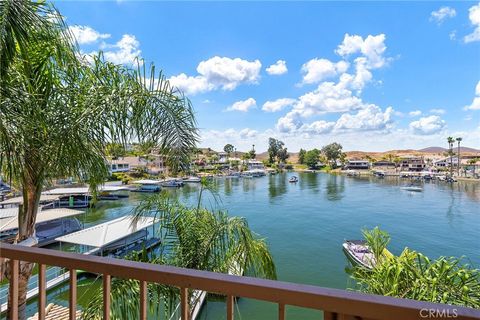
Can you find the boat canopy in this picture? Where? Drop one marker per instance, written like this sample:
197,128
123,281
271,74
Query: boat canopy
147,181
83,190
108,232
19,200
11,222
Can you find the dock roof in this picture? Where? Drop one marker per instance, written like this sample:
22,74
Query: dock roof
82,190
108,232
9,220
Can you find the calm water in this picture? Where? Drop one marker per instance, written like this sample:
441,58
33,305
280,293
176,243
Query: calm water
306,223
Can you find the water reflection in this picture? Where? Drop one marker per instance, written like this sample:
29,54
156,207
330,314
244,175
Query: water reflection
335,187
277,185
310,181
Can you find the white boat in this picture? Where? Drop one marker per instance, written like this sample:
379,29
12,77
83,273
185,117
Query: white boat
147,185
192,180
360,254
293,179
172,183
412,188
352,173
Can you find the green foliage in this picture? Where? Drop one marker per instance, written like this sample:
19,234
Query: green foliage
194,238
301,156
114,150
377,240
228,148
414,276
252,154
332,152
276,151
311,158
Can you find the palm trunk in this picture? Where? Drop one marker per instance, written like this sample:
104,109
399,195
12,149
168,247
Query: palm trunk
27,216
458,158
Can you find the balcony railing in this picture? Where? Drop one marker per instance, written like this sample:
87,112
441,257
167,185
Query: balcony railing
335,304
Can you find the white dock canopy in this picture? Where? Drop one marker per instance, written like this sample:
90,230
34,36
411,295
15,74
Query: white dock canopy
19,200
11,222
83,190
106,233
147,181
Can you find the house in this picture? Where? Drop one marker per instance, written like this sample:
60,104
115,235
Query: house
255,165
412,164
358,164
384,164
153,164
445,162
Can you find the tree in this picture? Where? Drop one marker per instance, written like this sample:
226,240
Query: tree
274,146
450,142
301,156
228,149
332,152
191,237
458,155
311,158
246,156
282,155
252,154
114,150
58,112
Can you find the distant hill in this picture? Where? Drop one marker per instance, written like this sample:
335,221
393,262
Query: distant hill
441,150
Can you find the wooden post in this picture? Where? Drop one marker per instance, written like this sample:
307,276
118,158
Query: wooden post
73,295
106,296
143,300
42,292
14,274
184,303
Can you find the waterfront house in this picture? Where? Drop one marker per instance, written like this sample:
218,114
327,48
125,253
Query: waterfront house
358,165
153,164
412,164
445,162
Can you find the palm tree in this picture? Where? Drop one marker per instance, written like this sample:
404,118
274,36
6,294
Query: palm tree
58,112
194,238
450,141
458,156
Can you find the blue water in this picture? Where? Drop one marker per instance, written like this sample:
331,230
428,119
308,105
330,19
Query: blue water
305,224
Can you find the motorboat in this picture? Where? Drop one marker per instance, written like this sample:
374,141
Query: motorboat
360,254
412,188
192,180
172,183
293,179
352,173
146,185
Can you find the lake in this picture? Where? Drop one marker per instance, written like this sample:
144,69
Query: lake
306,223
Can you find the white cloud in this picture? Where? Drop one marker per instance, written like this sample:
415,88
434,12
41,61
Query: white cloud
427,125
453,35
474,16
318,127
248,133
243,106
317,70
442,14
277,105
369,118
437,111
278,68
372,47
86,34
125,51
415,113
218,72
475,105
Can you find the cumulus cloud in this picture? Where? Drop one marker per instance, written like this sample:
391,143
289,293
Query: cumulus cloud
475,105
442,14
369,118
317,70
243,106
372,48
427,125
415,113
86,34
437,111
218,73
125,51
278,68
474,16
277,105
318,127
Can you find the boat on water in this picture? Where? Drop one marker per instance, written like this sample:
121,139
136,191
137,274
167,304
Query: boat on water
352,173
192,180
172,183
412,188
293,179
360,254
146,185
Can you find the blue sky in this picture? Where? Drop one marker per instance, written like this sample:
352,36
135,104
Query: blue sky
371,75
